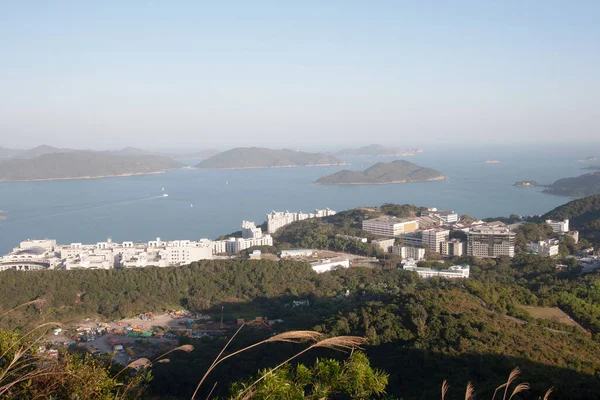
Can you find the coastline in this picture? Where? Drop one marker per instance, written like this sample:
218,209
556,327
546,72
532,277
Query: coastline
88,177
383,183
279,166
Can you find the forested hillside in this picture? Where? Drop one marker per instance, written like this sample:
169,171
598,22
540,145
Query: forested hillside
418,331
584,215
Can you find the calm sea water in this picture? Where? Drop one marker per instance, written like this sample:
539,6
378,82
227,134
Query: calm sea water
130,208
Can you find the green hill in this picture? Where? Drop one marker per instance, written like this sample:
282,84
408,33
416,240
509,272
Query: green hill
583,215
81,164
399,171
260,157
579,186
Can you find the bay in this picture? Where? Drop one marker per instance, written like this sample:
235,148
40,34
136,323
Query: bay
209,203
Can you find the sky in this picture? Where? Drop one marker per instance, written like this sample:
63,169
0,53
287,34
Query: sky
161,74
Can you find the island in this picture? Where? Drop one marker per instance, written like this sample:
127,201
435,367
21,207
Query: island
260,157
529,183
590,158
399,171
579,186
377,150
79,164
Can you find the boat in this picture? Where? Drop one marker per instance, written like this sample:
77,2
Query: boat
165,195
191,205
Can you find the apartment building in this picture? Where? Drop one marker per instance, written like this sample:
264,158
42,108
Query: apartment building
433,238
544,247
279,219
409,252
454,248
490,241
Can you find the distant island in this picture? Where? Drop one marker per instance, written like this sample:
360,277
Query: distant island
529,183
590,158
399,171
579,186
260,157
377,150
79,164
492,162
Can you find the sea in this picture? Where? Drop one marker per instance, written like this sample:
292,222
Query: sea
209,203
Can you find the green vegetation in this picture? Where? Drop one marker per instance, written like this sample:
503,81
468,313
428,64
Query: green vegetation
259,157
399,171
580,186
81,164
583,215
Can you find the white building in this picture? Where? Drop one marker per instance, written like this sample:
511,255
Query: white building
384,244
298,253
279,219
390,226
409,252
490,241
445,215
454,272
544,247
433,238
250,230
559,226
236,245
454,248
181,252
330,264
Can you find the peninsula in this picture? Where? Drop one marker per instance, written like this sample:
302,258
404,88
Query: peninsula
79,164
579,186
399,171
377,150
260,157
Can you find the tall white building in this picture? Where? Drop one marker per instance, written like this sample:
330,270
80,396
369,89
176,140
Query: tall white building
250,230
559,226
434,238
236,245
454,248
279,219
390,226
490,241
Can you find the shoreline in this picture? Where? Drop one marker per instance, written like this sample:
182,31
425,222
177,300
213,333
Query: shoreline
278,166
382,183
87,177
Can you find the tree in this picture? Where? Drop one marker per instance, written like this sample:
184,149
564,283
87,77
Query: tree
353,378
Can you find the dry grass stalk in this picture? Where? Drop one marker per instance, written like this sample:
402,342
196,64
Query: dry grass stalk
289,337
470,391
547,395
445,388
521,387
186,347
514,374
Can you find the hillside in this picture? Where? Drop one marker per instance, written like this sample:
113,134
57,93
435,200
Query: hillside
81,164
399,171
583,215
259,157
376,150
579,186
5,153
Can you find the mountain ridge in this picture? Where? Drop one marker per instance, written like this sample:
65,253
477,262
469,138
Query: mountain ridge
262,157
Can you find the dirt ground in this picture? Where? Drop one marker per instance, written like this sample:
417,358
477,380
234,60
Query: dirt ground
551,313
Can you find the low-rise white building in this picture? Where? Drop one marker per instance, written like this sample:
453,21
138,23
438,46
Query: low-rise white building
444,215
329,264
559,226
453,272
544,247
384,244
409,252
390,226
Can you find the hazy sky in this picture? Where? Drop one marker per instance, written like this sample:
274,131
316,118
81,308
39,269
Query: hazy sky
197,74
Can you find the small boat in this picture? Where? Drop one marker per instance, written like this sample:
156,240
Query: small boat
191,205
165,195
227,183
